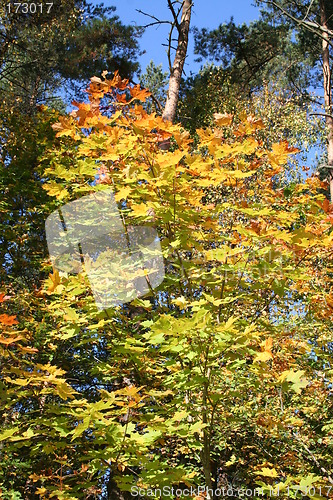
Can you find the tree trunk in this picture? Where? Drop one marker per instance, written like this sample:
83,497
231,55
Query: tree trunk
205,451
114,493
176,71
327,93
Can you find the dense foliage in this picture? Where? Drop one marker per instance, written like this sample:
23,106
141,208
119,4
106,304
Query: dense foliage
221,376
60,42
217,383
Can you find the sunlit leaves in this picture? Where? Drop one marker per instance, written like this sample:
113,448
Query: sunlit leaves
225,351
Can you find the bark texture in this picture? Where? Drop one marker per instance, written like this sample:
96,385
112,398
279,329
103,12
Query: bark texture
327,92
176,71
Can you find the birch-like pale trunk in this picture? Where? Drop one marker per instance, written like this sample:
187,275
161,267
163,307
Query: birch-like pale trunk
327,92
169,112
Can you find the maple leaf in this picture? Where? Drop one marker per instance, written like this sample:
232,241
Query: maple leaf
55,189
223,119
28,350
297,379
65,127
325,205
118,82
266,353
55,280
255,123
138,93
84,110
123,193
139,210
8,320
10,340
265,471
280,153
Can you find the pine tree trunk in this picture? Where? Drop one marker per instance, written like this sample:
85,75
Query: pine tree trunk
327,93
170,108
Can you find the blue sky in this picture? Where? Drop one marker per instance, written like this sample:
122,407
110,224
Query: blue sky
206,14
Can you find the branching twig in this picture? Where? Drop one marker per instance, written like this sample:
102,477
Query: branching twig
312,26
174,15
156,20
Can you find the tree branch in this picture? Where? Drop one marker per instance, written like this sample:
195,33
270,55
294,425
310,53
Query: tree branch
156,20
321,114
313,459
309,25
174,15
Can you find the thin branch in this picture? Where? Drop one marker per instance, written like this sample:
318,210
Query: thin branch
313,459
308,10
310,25
321,114
175,15
169,48
156,20
168,45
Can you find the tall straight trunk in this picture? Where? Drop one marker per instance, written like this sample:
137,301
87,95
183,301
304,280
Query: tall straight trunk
327,92
205,454
183,27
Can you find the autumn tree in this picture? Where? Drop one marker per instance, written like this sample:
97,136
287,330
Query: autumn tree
39,52
258,68
215,378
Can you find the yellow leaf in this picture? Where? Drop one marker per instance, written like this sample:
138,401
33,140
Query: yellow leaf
223,119
268,344
263,356
266,354
123,193
55,281
268,472
41,491
180,302
139,210
280,153
55,189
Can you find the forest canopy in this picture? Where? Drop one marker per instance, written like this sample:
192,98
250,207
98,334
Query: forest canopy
166,255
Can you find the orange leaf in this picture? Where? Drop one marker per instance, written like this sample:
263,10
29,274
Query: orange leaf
8,320
266,353
138,93
27,350
9,340
326,205
223,119
280,153
4,297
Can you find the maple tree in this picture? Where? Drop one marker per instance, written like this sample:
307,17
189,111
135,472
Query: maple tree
217,377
